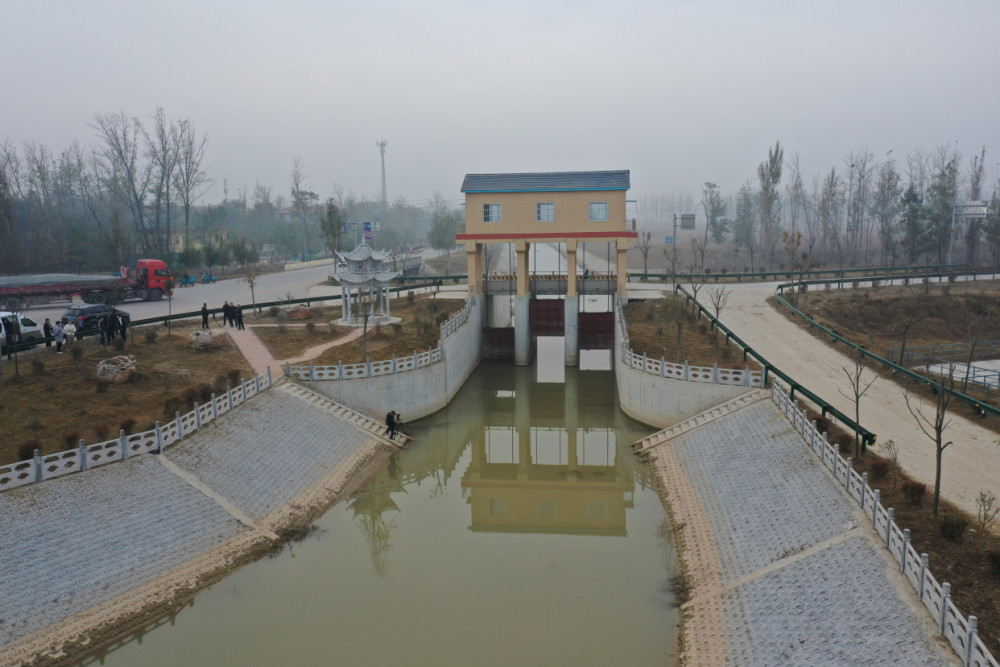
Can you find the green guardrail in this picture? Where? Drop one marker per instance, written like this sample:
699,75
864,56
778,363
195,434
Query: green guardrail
894,271
867,437
985,408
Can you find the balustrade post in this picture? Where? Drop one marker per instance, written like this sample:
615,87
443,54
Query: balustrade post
746,375
368,367
878,499
123,444
945,599
847,475
973,622
864,489
395,369
340,370
686,368
812,436
83,455
197,416
229,397
906,550
663,367
180,425
288,369
888,526
312,372
159,439
215,408
256,380
643,362
416,360
715,373
925,561
38,466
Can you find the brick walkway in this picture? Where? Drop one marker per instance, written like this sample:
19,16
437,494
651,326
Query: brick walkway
782,567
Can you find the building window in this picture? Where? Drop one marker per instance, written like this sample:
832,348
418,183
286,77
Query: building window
597,509
497,507
546,508
598,211
545,212
491,212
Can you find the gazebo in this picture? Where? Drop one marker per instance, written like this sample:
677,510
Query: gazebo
364,282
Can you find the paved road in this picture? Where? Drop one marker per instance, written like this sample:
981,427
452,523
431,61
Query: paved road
971,464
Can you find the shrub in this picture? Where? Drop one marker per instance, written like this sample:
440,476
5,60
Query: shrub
879,469
823,424
150,335
101,432
946,290
310,328
235,376
37,366
803,288
127,425
953,527
26,450
410,297
101,386
845,444
77,352
191,396
171,406
906,280
993,558
914,493
72,439
828,287
397,328
952,278
220,384
274,310
205,391
118,344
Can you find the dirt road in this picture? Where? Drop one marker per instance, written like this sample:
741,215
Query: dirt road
971,464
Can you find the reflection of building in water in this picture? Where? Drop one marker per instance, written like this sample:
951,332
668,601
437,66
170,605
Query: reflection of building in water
370,504
536,468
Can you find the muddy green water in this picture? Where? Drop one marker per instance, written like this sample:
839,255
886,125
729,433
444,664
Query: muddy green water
519,529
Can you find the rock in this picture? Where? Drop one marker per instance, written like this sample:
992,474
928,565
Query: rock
116,369
207,339
294,313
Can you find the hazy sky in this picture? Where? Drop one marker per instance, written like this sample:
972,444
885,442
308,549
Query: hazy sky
677,92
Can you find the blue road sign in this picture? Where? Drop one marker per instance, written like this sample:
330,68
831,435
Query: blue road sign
670,239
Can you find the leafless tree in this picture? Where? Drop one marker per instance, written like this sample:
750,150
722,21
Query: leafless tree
303,202
161,143
987,510
934,426
719,297
978,324
769,174
891,450
643,242
123,170
190,178
858,388
250,278
918,310
696,270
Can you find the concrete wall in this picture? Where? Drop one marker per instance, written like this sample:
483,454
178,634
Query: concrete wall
417,393
660,401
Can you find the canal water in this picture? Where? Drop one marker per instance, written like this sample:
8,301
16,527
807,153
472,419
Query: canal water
517,529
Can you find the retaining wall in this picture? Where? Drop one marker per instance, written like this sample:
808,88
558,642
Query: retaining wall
416,391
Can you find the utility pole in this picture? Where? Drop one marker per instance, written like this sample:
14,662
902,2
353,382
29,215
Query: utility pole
382,143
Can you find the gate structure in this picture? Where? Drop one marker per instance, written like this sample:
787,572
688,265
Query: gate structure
555,207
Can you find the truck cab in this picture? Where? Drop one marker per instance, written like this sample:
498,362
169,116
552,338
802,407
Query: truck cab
152,276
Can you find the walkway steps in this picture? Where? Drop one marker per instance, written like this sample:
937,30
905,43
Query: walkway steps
644,446
359,420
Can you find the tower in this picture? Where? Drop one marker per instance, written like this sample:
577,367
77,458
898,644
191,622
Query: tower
381,143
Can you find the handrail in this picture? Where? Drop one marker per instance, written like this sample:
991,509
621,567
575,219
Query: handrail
895,271
867,437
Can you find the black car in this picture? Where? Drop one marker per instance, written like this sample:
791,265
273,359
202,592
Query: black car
87,318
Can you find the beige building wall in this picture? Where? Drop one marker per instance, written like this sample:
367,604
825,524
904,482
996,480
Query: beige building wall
519,214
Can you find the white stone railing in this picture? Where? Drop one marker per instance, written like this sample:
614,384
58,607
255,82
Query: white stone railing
737,377
957,629
85,456
369,369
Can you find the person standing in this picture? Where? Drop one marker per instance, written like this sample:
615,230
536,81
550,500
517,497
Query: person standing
239,317
204,315
47,330
225,313
390,423
69,329
102,327
122,325
397,419
112,328
57,331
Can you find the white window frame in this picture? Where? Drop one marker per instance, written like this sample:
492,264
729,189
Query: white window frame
489,210
598,219
540,212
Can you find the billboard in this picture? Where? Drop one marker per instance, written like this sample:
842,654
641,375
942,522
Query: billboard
687,220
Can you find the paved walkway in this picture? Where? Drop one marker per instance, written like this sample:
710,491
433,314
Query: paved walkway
783,569
260,358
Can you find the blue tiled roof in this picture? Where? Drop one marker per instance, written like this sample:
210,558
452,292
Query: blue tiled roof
555,181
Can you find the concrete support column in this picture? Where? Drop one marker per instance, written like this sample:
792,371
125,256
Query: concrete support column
622,247
522,330
571,267
474,262
571,330
521,250
570,412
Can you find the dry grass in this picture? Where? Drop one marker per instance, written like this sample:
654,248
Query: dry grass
287,340
64,403
652,330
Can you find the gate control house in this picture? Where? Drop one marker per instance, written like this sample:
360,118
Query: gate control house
554,207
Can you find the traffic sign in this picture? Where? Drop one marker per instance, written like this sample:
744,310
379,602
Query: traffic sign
670,239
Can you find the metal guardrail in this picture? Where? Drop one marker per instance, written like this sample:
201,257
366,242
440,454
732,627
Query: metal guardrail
826,408
984,408
838,273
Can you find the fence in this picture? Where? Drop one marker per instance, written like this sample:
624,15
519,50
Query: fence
85,456
369,369
957,629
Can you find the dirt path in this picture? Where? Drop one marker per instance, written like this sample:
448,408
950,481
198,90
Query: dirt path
971,464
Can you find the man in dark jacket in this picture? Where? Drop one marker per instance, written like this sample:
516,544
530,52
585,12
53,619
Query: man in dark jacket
204,316
225,313
47,330
238,316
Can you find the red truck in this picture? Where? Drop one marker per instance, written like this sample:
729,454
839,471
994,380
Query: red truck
148,283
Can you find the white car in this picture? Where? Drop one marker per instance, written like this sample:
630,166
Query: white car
30,330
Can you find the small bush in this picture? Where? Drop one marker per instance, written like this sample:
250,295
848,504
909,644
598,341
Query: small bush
220,384
803,288
205,392
171,406
76,352
118,344
906,281
953,527
101,432
72,439
914,493
952,278
410,297
137,377
127,425
235,376
191,396
946,290
150,335
274,310
310,328
26,450
845,444
37,367
397,328
101,386
827,287
823,424
993,558
879,469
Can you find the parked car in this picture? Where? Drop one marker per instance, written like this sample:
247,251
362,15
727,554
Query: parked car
87,318
30,330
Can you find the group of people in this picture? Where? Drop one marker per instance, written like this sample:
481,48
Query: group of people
232,314
392,422
65,331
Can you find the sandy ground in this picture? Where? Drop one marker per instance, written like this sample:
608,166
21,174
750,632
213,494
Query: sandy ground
970,465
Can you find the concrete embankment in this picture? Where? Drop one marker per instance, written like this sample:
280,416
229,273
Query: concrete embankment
87,556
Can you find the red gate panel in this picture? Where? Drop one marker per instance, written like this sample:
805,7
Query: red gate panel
546,317
596,331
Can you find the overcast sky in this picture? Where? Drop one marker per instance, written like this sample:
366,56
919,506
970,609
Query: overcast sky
677,92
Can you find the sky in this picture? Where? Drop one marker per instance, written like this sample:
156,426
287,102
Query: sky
677,92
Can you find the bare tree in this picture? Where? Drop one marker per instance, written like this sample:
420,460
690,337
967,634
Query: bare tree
715,207
892,455
190,178
696,270
769,174
123,171
161,143
978,316
918,308
643,242
987,510
858,389
303,203
719,297
934,426
250,278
